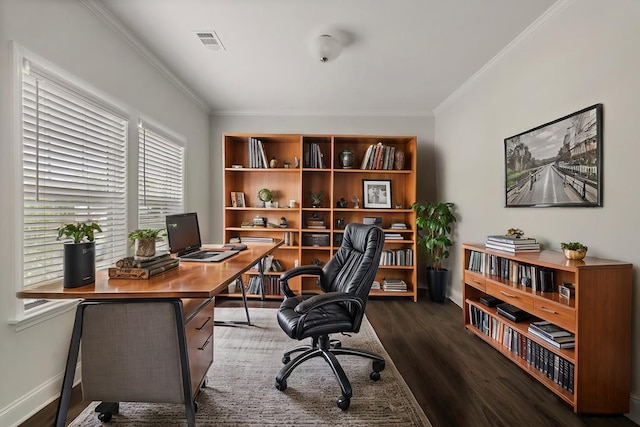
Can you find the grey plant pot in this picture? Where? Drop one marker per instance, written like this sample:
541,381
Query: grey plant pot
79,265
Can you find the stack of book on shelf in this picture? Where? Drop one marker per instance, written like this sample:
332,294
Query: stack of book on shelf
394,285
512,244
392,236
251,239
552,334
143,268
257,156
375,286
313,157
378,156
511,312
398,226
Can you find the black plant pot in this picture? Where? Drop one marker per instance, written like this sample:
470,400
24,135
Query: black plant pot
437,282
79,266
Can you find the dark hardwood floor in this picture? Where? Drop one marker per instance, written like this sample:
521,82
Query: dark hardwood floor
456,378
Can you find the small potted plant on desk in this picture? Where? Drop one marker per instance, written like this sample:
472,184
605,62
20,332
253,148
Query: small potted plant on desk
79,256
434,221
574,250
145,240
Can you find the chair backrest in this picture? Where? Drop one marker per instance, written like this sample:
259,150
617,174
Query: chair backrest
354,266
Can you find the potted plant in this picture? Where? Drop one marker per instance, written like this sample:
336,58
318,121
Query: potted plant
145,240
574,250
266,196
434,221
79,256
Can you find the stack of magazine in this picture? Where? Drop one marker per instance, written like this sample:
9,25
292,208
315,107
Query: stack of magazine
552,334
512,244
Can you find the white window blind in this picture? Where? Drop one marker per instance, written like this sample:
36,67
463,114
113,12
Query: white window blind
74,170
160,179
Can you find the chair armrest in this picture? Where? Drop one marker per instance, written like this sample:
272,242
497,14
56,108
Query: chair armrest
328,298
313,270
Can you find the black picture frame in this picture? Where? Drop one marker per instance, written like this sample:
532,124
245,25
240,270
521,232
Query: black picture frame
376,194
557,164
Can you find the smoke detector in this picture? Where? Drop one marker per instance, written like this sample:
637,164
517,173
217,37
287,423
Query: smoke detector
210,40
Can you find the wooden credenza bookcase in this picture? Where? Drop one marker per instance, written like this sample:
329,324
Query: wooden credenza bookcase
312,234
595,376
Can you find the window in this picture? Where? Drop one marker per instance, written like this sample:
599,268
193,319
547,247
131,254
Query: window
160,178
74,169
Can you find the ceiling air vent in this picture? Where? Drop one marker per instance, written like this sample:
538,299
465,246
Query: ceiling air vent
210,40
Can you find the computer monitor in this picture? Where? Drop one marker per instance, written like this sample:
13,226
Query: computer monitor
183,233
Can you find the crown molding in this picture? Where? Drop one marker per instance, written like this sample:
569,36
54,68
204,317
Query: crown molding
321,113
107,17
549,15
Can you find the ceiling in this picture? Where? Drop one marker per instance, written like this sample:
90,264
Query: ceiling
400,57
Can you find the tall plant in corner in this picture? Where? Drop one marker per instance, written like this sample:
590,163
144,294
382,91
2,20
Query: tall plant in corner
434,221
79,256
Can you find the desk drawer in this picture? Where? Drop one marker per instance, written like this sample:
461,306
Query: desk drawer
513,296
474,279
558,314
199,331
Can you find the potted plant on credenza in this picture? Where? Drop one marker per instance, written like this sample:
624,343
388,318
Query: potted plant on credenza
79,256
434,221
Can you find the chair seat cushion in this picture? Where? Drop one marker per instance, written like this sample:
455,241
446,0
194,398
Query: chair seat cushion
328,319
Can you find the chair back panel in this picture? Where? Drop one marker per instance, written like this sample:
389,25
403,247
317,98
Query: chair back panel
355,264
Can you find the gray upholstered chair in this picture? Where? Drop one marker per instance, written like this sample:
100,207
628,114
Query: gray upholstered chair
346,280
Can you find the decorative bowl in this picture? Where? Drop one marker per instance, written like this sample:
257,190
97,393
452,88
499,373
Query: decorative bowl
571,254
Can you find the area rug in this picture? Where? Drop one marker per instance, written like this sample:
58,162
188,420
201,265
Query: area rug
240,385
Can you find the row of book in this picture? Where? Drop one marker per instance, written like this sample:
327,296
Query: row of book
378,156
271,285
257,156
402,256
143,268
534,276
552,365
512,244
313,157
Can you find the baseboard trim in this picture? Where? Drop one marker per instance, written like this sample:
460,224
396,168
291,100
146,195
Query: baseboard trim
26,406
634,413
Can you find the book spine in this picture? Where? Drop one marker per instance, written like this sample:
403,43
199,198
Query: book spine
141,273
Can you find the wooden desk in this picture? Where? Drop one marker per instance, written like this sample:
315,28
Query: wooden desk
189,290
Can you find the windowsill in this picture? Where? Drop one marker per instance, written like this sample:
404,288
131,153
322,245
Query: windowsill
44,312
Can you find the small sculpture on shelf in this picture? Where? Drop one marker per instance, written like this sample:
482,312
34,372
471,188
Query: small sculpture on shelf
273,163
283,222
316,199
342,203
515,232
356,201
316,261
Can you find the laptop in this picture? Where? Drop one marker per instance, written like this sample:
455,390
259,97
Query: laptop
183,233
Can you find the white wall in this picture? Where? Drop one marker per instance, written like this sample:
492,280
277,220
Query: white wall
584,55
422,127
69,35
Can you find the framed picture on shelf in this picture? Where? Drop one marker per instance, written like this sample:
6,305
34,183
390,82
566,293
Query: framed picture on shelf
556,164
376,193
240,200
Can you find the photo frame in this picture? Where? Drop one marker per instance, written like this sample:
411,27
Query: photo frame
376,193
557,164
240,200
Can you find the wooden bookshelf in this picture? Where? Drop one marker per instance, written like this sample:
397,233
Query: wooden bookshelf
307,244
598,313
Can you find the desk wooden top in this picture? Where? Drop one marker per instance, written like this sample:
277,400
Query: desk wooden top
189,280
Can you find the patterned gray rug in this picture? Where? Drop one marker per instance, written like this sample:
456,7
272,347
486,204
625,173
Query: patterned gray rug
240,385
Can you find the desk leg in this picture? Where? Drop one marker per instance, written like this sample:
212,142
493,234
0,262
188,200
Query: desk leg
246,309
261,270
189,403
70,369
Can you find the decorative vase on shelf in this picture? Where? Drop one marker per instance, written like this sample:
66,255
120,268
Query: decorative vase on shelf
576,255
346,159
399,161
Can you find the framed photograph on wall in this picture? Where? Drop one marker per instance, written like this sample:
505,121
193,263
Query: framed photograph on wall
376,193
556,164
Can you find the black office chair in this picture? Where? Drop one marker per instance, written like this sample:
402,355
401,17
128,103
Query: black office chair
346,280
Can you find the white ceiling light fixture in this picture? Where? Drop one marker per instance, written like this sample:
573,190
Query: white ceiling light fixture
327,48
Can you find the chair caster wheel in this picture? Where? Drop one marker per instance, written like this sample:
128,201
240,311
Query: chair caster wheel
378,366
343,403
105,417
375,376
281,385
285,360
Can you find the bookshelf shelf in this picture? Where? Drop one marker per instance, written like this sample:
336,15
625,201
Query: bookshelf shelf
293,186
595,376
